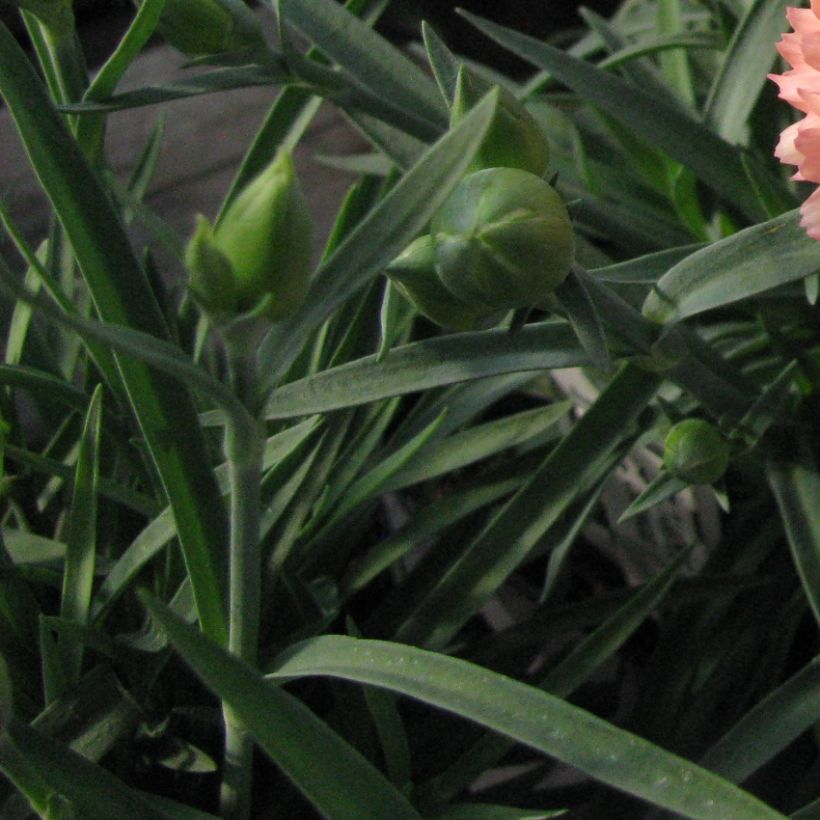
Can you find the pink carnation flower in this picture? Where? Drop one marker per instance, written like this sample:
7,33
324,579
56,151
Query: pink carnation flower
800,86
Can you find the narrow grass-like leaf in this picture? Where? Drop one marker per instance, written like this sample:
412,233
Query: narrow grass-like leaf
471,445
662,486
372,60
432,363
162,529
516,529
574,670
90,129
769,727
88,789
664,125
396,220
81,537
424,524
288,732
573,297
743,71
488,811
530,716
121,294
211,82
647,269
795,481
675,65
443,62
365,488
748,263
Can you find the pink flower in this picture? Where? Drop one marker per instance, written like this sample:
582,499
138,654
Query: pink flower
800,87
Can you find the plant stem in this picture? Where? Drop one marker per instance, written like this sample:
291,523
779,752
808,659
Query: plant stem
243,450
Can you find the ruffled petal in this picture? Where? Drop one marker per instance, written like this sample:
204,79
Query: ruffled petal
786,150
810,213
807,143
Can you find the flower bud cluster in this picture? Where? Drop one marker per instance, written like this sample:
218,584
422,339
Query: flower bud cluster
503,239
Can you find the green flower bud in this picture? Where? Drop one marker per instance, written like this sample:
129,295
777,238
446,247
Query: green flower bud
696,452
502,240
514,138
201,28
212,279
267,235
413,272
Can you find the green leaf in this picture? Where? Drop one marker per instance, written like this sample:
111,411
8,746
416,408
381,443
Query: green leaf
121,294
425,523
487,811
743,72
662,486
482,441
396,220
663,124
795,482
211,82
769,727
745,264
374,63
425,365
530,716
443,62
514,531
81,537
287,731
647,269
162,529
573,297
574,670
90,130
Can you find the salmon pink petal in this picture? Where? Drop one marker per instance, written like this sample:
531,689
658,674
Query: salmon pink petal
793,82
810,212
807,143
786,150
810,50
790,49
804,21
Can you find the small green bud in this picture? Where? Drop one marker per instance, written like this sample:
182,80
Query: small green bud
696,452
514,138
212,279
413,272
502,240
267,236
201,28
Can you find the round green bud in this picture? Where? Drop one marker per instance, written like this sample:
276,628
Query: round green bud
696,452
514,139
502,240
202,28
413,272
266,234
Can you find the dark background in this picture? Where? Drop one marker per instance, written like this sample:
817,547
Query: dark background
101,21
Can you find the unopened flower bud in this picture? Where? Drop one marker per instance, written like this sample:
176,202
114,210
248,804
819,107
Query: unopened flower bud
201,28
211,275
502,240
267,235
514,139
696,452
413,273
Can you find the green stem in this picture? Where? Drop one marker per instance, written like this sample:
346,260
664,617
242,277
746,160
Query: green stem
243,450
